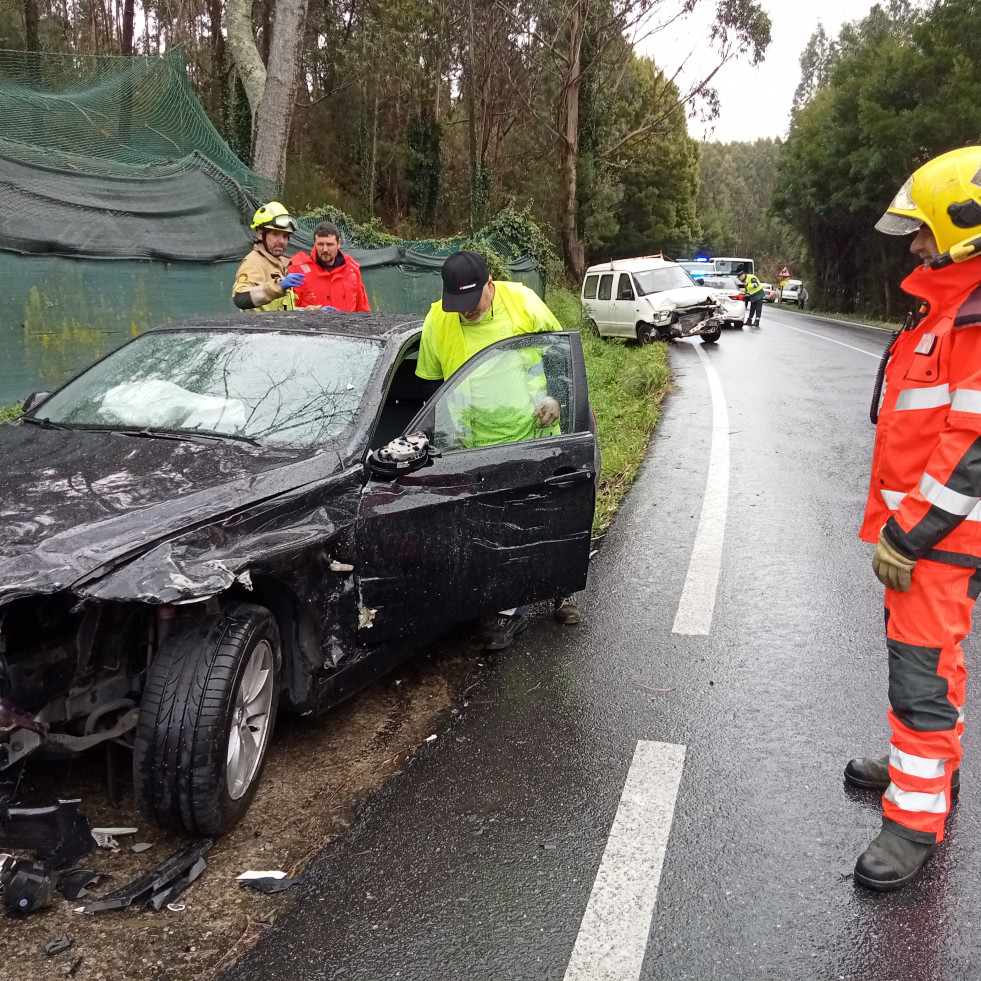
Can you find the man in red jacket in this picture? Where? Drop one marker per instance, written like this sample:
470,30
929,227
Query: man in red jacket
330,278
924,513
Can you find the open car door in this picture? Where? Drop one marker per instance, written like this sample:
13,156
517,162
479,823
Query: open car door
502,516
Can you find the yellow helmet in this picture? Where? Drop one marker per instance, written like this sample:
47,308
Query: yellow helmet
945,195
274,215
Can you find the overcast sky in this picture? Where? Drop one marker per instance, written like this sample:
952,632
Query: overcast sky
755,102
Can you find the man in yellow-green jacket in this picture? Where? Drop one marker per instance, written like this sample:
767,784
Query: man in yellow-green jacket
474,312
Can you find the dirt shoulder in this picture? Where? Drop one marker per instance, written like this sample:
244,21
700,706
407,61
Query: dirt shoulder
317,774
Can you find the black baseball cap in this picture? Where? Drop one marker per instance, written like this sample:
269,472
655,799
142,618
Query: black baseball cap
465,275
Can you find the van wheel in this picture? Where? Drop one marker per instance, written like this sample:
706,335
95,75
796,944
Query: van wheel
647,334
208,710
593,329
712,336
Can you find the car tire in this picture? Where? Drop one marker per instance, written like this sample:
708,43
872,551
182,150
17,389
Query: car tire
208,711
594,329
712,336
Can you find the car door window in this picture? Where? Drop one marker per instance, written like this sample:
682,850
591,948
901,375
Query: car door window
625,290
606,286
505,393
589,288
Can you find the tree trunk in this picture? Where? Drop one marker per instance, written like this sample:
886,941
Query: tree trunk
31,40
126,42
218,86
272,121
245,54
573,250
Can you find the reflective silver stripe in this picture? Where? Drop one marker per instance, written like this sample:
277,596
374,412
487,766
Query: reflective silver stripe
906,800
923,398
943,497
916,766
893,499
966,400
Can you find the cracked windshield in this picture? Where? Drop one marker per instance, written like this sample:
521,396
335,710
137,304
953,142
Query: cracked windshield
261,386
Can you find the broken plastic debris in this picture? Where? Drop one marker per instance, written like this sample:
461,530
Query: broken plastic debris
176,907
142,846
271,884
431,738
252,874
58,834
366,616
27,886
57,945
161,885
336,566
76,883
106,837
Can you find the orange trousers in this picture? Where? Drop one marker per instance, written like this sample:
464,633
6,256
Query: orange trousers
924,631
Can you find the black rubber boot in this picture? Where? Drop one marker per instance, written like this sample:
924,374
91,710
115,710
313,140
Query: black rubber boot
891,862
872,773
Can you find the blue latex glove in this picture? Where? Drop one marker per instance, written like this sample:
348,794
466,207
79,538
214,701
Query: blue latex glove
328,308
292,279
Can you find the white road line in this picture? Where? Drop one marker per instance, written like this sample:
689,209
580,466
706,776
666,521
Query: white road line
831,340
697,602
612,939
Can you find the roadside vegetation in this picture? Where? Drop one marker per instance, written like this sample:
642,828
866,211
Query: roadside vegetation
626,386
8,412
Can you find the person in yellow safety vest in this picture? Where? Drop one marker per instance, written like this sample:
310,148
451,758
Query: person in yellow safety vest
473,313
755,294
261,282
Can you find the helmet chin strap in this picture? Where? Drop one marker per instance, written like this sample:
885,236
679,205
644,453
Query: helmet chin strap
961,252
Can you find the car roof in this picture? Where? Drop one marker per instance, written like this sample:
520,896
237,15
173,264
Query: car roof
638,264
379,326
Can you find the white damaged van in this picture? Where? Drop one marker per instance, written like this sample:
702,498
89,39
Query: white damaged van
650,299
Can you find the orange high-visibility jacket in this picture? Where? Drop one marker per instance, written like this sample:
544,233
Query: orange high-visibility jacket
926,467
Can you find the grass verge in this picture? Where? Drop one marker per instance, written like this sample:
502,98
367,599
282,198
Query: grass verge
626,386
8,412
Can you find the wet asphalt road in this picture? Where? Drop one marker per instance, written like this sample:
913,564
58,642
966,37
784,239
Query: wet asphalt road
477,863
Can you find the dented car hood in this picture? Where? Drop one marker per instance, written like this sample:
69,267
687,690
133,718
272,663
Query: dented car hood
76,505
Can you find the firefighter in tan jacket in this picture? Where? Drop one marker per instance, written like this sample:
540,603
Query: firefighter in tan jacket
261,282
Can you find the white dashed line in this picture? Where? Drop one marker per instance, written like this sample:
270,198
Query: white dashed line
697,602
612,939
831,340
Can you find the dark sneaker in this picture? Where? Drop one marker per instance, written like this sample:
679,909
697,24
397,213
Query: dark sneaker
566,610
891,862
502,630
872,773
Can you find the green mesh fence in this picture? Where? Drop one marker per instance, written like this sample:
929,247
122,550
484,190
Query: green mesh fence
122,208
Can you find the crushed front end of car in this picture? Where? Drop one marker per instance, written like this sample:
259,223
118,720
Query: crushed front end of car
70,676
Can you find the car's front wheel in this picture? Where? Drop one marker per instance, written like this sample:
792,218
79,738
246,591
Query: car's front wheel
710,337
208,710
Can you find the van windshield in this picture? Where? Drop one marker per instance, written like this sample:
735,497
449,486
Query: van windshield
730,267
658,280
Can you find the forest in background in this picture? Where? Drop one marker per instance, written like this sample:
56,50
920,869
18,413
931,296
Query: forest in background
428,117
425,118
890,92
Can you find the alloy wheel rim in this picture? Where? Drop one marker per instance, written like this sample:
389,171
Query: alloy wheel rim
251,720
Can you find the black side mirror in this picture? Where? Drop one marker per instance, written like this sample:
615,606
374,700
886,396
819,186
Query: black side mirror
403,455
34,400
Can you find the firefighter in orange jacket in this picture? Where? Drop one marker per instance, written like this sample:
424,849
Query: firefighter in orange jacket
330,278
924,513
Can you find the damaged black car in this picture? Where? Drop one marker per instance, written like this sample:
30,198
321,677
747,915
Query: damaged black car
234,516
